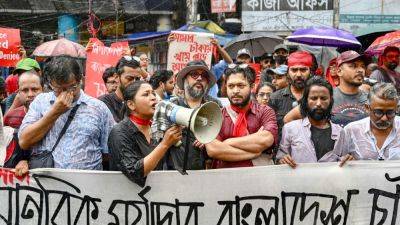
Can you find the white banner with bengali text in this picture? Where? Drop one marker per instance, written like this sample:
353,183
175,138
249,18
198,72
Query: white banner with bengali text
360,193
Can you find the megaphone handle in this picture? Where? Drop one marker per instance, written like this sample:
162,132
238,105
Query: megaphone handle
185,158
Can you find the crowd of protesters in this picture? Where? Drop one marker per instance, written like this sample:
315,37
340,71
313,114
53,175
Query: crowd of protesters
288,112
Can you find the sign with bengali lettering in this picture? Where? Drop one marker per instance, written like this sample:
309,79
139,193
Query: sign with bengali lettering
98,59
362,193
364,17
10,40
285,15
189,46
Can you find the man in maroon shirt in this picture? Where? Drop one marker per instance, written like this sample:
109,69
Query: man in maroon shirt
30,85
248,129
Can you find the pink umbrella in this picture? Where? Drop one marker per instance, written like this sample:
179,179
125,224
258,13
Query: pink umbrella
58,47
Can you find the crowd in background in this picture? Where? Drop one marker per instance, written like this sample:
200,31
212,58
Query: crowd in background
283,109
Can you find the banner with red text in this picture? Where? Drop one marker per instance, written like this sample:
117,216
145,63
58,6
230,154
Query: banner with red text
10,40
189,46
220,6
98,59
360,193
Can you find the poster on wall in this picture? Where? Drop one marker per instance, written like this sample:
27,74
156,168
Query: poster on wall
10,40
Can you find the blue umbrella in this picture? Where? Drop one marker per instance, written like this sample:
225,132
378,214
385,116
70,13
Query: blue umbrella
325,36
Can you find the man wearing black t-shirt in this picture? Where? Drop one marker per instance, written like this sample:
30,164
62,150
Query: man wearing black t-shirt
128,71
312,138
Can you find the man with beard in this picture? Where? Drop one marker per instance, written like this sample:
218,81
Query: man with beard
349,99
195,80
312,138
248,130
387,73
30,85
377,136
284,100
128,71
163,83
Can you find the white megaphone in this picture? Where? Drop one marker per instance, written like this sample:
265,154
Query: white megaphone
205,121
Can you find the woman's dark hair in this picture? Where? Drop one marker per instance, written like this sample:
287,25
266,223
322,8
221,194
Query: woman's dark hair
263,84
315,81
160,76
61,68
127,61
130,92
247,72
109,72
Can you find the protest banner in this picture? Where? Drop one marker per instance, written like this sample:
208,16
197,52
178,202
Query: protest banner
189,46
10,40
97,60
359,193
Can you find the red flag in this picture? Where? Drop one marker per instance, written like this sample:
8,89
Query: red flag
10,41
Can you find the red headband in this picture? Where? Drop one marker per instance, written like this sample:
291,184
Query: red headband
300,58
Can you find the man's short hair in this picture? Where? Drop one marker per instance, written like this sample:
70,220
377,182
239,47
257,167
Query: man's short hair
34,73
109,72
160,76
314,81
390,49
266,56
247,72
386,91
61,68
127,61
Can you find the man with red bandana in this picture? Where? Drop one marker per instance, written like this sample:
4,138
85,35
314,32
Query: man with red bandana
387,72
284,100
249,130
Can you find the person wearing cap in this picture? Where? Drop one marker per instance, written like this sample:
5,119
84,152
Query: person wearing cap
281,49
284,100
128,70
387,72
25,64
249,129
350,101
243,56
376,137
279,77
195,80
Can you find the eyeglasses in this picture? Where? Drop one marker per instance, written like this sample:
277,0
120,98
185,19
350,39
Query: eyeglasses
67,89
196,74
242,66
379,113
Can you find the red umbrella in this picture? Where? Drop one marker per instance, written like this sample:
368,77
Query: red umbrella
60,47
389,39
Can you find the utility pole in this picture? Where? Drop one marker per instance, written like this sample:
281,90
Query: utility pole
191,16
336,14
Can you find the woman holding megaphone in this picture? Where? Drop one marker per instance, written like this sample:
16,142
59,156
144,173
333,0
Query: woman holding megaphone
132,149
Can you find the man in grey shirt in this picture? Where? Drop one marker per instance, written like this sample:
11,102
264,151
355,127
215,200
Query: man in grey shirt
349,101
387,73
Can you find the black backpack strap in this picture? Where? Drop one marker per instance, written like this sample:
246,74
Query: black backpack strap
66,125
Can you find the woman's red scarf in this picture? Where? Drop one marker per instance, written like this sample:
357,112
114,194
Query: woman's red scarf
139,121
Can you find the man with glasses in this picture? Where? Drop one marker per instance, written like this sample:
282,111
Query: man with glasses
84,140
195,80
110,79
377,136
128,70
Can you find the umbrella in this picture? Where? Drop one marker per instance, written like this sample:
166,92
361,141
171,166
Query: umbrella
60,47
325,36
389,39
257,43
